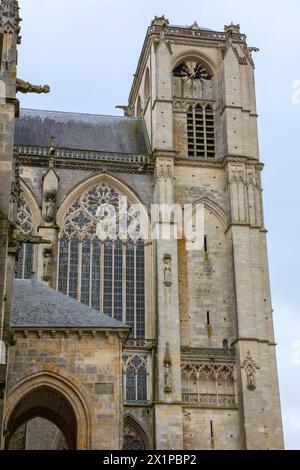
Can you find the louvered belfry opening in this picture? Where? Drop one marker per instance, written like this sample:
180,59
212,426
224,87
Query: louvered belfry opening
201,131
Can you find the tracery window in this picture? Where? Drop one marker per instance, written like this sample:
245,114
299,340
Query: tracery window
101,262
135,378
201,131
192,79
134,436
24,265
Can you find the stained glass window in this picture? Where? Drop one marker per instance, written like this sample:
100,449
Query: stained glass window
99,263
135,378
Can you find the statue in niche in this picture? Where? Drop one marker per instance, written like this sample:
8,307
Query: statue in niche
168,370
49,207
250,367
251,380
47,268
167,270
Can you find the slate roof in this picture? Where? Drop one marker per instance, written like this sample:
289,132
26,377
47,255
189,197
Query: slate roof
76,131
37,306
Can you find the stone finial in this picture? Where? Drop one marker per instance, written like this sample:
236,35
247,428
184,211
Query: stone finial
9,14
195,25
160,21
26,87
232,29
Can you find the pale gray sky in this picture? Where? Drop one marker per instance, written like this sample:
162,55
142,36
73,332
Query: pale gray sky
87,51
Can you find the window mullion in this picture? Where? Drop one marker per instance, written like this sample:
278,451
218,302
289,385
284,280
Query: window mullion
124,267
58,264
24,247
101,276
136,385
113,280
134,283
91,273
204,129
68,273
79,271
194,132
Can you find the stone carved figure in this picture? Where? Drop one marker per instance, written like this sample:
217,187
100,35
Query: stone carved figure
250,367
164,172
47,269
26,87
168,370
49,207
167,270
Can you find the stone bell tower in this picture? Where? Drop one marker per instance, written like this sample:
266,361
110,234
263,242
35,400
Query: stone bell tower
195,90
9,39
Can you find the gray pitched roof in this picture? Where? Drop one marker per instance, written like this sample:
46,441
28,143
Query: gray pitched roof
35,305
82,131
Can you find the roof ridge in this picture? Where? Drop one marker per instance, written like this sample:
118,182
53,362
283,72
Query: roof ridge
82,114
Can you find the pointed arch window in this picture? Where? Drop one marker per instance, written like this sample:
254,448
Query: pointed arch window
99,264
25,262
135,378
201,131
134,436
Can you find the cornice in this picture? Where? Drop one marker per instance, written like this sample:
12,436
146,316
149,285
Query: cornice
47,332
221,164
247,111
161,153
253,340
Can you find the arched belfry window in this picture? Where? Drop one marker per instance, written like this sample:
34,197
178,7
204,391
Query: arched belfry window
102,255
25,228
201,131
192,79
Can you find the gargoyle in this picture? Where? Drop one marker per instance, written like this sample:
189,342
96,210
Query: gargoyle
26,87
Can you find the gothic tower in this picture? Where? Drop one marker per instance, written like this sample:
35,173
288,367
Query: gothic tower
199,366
9,39
195,90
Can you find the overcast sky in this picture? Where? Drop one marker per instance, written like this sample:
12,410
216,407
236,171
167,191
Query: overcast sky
87,51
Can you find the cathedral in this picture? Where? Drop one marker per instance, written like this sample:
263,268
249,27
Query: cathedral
126,338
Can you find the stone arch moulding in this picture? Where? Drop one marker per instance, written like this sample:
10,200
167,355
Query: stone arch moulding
194,54
33,204
87,184
63,386
214,208
140,428
146,87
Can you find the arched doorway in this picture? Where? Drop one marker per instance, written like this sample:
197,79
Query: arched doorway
135,437
47,403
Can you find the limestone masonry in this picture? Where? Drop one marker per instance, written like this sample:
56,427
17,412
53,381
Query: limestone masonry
122,342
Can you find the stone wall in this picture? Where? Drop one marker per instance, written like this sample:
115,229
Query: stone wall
89,362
